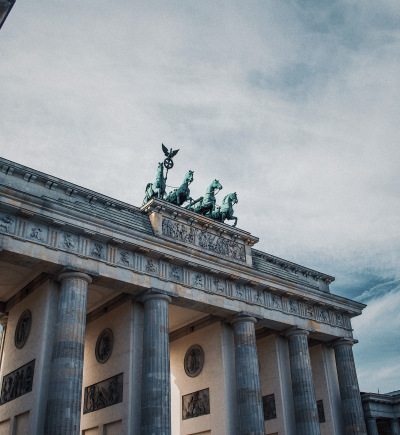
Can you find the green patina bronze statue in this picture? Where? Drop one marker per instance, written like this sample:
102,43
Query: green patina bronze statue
206,204
157,189
225,210
182,194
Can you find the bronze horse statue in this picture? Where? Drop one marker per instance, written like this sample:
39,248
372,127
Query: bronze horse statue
182,193
225,210
157,189
206,204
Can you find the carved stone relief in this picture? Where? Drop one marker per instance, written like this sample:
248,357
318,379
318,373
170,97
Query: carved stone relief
98,251
23,328
293,306
125,258
69,242
17,383
194,361
198,279
310,310
151,267
196,404
218,285
258,297
104,345
269,407
324,315
103,394
7,223
239,291
37,232
276,301
339,319
202,239
175,273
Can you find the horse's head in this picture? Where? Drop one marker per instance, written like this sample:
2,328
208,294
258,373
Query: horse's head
232,197
189,176
216,185
160,168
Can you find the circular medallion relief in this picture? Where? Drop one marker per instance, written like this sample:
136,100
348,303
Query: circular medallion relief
23,328
194,361
104,346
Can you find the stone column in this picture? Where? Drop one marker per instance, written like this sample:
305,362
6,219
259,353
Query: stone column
353,415
394,427
63,413
248,385
156,387
372,428
305,404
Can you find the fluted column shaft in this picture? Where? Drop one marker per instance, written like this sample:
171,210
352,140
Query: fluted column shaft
305,404
394,427
63,412
372,428
353,415
156,387
248,385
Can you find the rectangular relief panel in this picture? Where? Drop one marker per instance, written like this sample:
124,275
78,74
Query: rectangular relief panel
269,407
203,239
17,383
103,394
196,404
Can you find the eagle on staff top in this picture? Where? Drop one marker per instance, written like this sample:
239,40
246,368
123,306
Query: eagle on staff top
170,153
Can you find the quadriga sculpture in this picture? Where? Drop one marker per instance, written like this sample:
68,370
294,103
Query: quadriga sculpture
225,210
157,189
182,194
206,204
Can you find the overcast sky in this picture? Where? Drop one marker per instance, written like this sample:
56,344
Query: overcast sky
292,104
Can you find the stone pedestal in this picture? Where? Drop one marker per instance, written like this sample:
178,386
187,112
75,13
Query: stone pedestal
248,385
63,413
394,427
353,414
156,387
372,428
305,404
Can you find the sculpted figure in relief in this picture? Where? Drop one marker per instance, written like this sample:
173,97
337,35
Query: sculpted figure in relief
125,258
6,222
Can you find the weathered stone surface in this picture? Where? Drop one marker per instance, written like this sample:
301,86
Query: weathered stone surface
349,390
394,427
305,405
65,393
372,428
248,386
156,393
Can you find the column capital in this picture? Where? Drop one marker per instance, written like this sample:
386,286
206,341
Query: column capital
240,318
155,294
343,342
297,331
74,275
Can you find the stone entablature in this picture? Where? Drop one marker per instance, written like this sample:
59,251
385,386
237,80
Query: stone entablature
118,252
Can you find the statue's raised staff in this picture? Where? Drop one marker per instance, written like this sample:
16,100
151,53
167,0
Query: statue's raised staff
157,189
182,193
206,204
225,210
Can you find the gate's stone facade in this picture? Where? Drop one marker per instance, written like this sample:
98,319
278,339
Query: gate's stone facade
273,347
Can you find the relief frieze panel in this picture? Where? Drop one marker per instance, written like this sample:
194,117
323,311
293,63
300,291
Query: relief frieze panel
203,239
86,245
7,223
196,404
103,394
17,383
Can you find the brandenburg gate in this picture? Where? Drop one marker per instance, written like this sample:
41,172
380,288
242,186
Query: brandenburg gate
161,319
